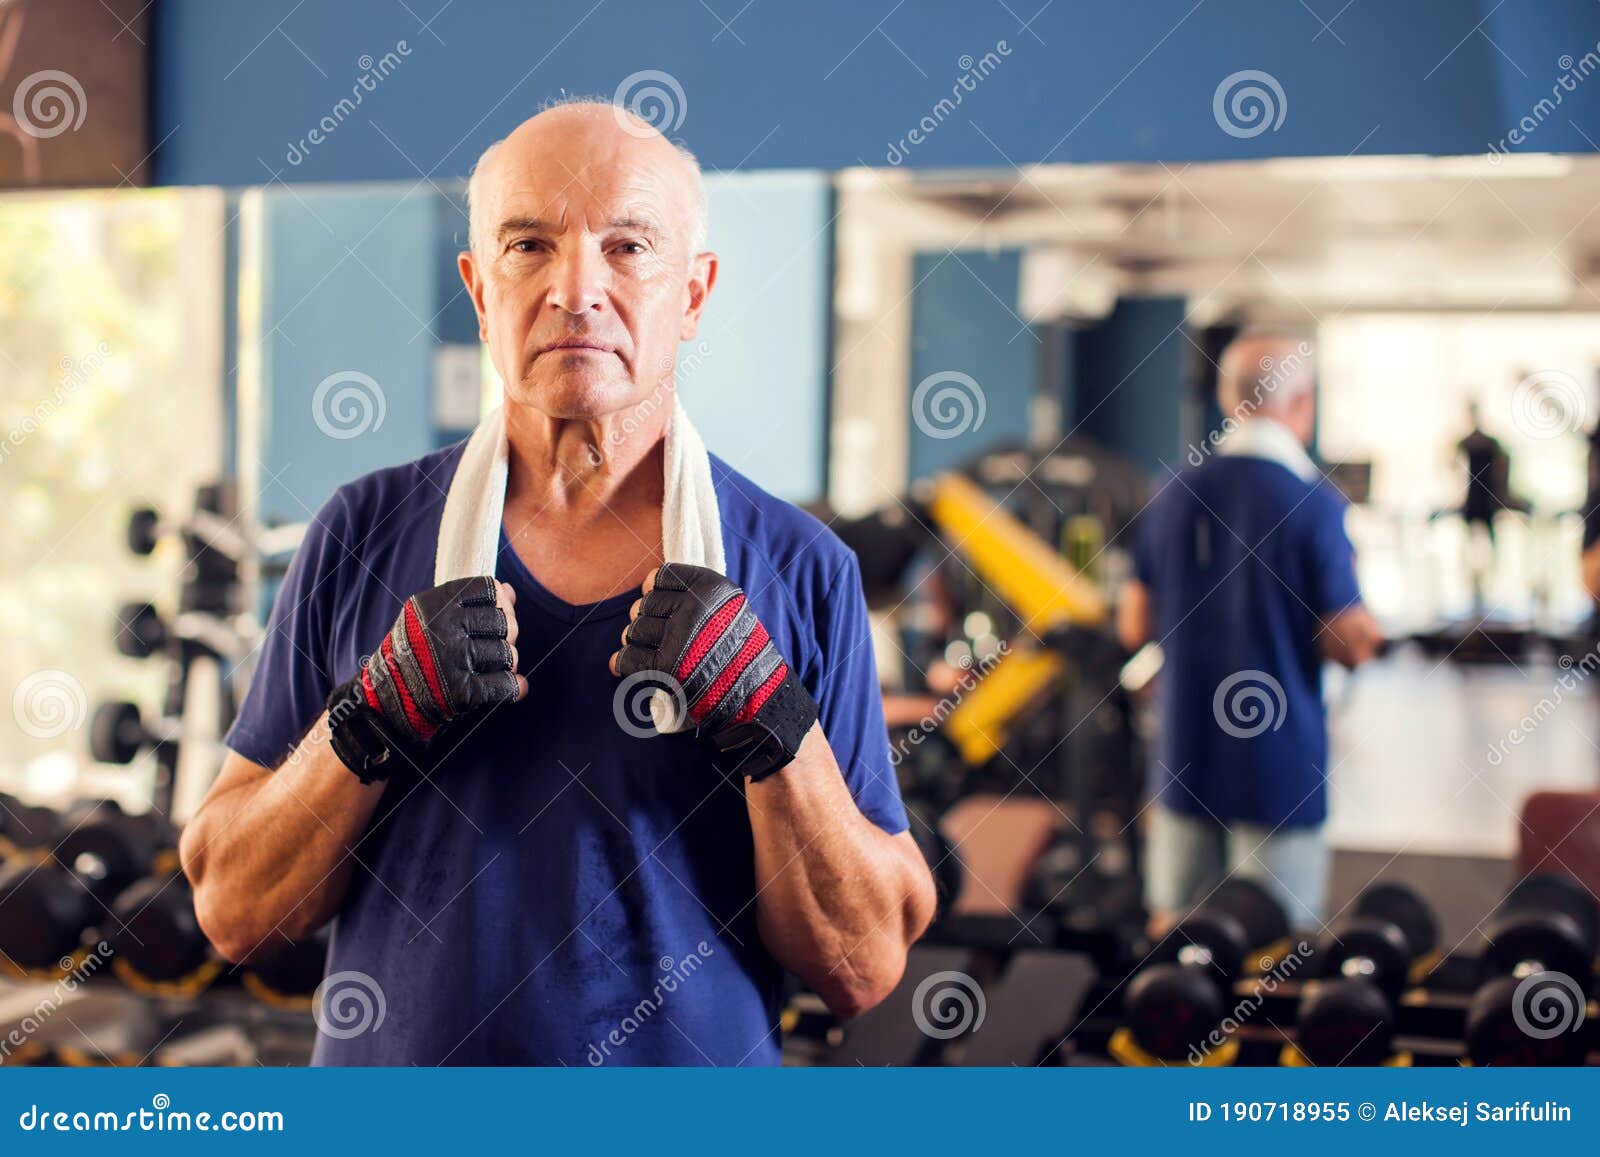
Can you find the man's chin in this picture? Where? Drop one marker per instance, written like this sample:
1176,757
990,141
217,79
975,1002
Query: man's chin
574,396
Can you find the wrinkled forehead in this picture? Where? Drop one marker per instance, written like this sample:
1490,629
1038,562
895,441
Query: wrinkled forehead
589,191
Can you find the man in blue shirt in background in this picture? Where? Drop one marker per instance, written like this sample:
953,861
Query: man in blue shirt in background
1245,576
516,874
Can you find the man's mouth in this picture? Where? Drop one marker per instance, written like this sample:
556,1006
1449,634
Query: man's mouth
575,345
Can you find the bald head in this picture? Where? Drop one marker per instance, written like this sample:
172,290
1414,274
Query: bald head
576,136
586,264
1265,374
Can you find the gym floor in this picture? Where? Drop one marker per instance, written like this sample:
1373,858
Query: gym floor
1412,795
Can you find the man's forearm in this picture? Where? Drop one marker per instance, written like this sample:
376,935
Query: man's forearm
1591,571
270,857
838,899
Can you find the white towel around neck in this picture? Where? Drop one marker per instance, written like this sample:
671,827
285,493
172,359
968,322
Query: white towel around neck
469,531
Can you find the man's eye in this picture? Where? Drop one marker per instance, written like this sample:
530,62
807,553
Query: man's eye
631,248
526,245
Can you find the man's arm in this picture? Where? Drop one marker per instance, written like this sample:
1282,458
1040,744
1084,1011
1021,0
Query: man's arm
1351,637
270,853
838,899
1134,627
1591,570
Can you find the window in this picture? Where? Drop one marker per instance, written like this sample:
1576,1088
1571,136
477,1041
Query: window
110,396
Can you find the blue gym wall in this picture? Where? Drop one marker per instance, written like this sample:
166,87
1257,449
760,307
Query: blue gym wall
964,320
347,286
833,83
1128,382
238,86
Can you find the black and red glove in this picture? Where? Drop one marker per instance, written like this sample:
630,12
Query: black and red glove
451,653
694,626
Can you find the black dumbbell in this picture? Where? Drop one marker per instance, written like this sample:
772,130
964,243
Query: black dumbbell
927,766
949,873
46,908
25,831
117,732
154,934
1347,1016
140,630
1180,997
1535,973
144,530
289,973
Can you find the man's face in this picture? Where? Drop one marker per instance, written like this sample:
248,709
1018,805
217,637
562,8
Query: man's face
584,278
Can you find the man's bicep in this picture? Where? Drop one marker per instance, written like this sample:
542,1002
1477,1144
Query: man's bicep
292,679
1332,565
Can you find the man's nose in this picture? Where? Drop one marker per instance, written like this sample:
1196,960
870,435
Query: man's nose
578,279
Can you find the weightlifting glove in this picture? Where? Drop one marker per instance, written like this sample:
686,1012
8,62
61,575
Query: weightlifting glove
449,655
695,626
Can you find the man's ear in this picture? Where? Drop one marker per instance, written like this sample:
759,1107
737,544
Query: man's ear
467,264
702,276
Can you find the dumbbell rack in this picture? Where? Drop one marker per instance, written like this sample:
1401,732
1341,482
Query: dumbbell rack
101,1023
1430,1028
1049,1003
210,626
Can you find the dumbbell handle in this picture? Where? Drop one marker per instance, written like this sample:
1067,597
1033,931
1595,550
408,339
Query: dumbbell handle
137,732
221,636
218,533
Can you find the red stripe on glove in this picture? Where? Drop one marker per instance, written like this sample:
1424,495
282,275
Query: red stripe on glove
730,674
762,694
423,650
414,717
709,634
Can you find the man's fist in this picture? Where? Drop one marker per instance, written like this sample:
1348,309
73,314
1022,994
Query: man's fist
451,653
695,627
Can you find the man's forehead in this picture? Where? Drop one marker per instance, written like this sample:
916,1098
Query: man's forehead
552,192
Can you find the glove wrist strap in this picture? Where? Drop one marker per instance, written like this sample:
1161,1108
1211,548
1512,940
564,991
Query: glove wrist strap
359,736
767,744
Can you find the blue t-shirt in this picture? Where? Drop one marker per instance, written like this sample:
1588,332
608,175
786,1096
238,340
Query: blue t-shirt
561,891
1242,558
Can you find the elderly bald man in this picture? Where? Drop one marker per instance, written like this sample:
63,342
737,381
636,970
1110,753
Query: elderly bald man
532,883
1244,574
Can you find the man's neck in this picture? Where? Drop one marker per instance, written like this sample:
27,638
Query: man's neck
582,466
